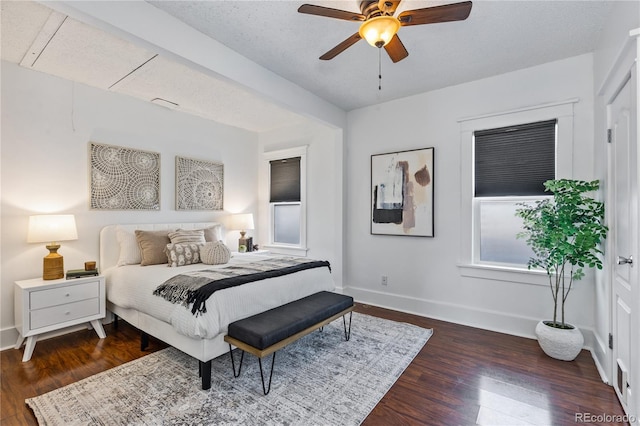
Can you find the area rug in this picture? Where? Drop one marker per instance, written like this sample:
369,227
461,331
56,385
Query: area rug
319,380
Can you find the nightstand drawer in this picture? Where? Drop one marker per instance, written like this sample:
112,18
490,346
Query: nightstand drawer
64,313
63,295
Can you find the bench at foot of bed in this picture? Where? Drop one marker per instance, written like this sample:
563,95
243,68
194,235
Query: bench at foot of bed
265,333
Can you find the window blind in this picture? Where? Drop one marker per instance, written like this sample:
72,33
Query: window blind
515,160
285,180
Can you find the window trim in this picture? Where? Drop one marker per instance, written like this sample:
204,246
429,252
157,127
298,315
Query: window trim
289,249
564,113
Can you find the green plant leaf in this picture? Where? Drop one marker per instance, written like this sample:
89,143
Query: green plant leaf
564,230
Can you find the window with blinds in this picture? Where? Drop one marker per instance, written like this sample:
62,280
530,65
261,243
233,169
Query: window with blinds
285,199
285,180
511,165
515,160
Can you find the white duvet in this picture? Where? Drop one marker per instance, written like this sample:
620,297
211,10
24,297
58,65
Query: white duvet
132,287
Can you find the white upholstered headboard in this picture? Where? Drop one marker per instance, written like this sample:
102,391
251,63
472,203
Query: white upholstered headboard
110,249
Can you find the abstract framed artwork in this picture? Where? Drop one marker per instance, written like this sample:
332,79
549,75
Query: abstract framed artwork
199,184
123,178
402,193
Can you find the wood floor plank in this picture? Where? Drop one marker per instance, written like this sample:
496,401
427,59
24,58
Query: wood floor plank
462,375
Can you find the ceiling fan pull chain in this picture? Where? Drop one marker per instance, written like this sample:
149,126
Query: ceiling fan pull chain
379,68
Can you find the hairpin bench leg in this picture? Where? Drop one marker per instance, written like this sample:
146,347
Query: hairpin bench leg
144,340
347,333
233,365
273,360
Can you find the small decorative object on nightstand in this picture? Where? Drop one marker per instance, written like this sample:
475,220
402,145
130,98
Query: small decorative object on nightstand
51,228
242,222
79,273
43,306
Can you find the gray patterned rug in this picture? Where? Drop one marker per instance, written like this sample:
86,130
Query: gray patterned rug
319,380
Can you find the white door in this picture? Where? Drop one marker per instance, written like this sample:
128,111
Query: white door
624,231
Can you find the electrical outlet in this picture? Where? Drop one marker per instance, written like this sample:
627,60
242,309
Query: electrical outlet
384,280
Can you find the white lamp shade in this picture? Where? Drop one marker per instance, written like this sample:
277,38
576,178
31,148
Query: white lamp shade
51,228
241,221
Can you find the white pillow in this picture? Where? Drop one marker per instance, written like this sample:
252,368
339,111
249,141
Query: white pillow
213,233
129,249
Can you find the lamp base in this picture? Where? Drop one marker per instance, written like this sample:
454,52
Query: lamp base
53,264
245,244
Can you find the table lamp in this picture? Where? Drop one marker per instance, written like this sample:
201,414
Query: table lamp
51,229
242,222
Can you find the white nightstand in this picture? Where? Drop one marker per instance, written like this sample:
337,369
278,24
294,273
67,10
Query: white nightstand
42,306
263,252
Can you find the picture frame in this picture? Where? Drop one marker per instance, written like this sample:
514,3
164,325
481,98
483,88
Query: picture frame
199,184
122,178
402,193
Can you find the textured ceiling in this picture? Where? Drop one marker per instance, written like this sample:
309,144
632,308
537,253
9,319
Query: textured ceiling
44,40
498,37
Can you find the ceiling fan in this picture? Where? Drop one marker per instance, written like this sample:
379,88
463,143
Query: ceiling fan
379,25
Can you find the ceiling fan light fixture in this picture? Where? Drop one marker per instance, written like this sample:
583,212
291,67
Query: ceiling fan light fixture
380,30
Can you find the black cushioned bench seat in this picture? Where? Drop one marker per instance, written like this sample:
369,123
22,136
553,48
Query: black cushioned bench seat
270,327
269,331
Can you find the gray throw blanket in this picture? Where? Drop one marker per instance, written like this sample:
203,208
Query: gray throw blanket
196,286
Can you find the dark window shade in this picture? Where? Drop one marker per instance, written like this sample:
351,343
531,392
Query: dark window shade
285,180
515,160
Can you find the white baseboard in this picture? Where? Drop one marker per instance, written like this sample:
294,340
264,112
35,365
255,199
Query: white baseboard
8,338
500,322
459,314
485,319
601,356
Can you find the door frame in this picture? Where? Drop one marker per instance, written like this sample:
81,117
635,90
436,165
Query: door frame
623,70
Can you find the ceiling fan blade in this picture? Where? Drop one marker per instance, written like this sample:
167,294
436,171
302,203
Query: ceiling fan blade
331,13
396,49
341,47
432,15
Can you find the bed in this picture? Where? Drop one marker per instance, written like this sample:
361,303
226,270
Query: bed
130,286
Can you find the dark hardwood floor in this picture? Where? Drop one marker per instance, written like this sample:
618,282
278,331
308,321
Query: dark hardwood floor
462,376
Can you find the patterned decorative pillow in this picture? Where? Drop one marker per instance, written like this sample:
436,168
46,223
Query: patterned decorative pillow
183,254
215,253
187,236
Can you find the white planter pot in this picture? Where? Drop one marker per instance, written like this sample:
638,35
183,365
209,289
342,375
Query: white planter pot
560,344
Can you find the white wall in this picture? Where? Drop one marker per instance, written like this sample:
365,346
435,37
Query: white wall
47,123
325,206
423,276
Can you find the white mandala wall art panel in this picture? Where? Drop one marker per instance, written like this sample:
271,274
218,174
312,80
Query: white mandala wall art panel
199,184
123,178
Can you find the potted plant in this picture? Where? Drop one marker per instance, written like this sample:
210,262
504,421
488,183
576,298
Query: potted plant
564,233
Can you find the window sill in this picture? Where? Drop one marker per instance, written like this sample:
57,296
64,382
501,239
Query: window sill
288,250
504,273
